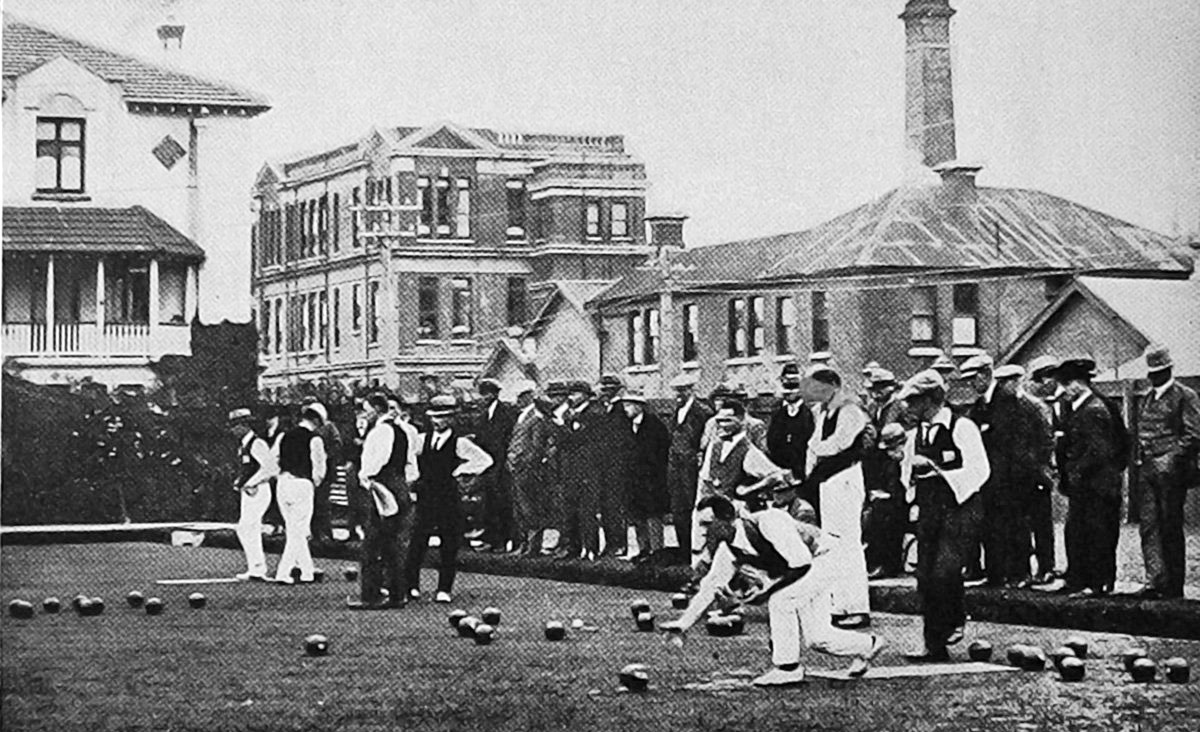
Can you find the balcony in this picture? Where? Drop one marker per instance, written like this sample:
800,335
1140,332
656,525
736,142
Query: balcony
91,340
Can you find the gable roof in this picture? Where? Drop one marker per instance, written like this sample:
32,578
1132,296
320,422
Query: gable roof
915,229
575,293
76,229
27,47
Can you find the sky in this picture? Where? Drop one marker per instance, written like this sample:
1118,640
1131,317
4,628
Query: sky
753,117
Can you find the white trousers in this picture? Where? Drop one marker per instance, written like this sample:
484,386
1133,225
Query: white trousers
295,498
804,608
249,528
842,499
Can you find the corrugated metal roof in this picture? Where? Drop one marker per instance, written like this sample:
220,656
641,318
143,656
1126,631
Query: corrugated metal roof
1165,311
76,229
28,46
920,229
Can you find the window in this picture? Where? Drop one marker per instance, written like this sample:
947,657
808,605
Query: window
924,313
755,327
620,219
310,324
265,328
279,325
643,337
820,323
460,324
785,322
336,221
593,219
636,338
443,206
427,308
425,201
356,309
650,350
128,291
323,319
737,327
517,298
515,190
60,155
463,213
355,214
691,328
373,312
172,290
337,317
323,224
966,315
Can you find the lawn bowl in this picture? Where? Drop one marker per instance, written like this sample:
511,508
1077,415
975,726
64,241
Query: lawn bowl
316,645
645,622
84,607
135,599
980,650
350,573
485,633
154,606
1071,668
1177,670
97,606
1016,654
1130,656
318,575
1143,670
491,616
1060,653
78,600
555,631
639,606
1035,659
720,626
197,600
466,626
635,677
679,601
1078,644
20,609
456,617
51,605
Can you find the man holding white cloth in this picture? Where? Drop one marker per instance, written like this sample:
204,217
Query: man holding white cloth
302,468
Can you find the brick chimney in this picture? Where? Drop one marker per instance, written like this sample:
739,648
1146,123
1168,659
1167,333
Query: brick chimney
928,93
666,230
958,183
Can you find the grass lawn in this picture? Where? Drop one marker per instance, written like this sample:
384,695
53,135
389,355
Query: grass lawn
239,663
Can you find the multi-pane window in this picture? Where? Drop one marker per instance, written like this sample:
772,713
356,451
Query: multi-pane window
443,206
427,308
265,328
335,222
592,216
755,328
425,201
737,327
312,323
462,215
785,323
355,215
518,298
924,316
60,155
620,219
691,329
337,317
373,312
515,195
964,326
820,322
643,336
279,325
356,309
460,311
323,320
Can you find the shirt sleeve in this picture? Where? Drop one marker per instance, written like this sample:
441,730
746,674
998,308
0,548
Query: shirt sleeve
850,423
475,458
757,464
268,466
411,470
377,450
316,451
967,480
720,574
779,528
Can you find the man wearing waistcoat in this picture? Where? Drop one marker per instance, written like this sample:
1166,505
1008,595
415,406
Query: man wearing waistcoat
331,440
834,467
258,466
683,459
756,429
301,469
945,464
580,452
886,511
527,462
444,457
790,429
1168,439
384,473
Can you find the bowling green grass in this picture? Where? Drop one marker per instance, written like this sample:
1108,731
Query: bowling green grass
239,664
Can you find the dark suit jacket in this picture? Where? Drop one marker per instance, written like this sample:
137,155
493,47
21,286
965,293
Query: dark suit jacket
686,436
580,450
1088,449
494,434
1016,442
529,447
647,494
787,438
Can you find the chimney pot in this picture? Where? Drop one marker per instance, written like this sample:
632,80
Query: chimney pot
958,182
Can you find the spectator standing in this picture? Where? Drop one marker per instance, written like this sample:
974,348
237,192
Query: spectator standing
789,431
1168,440
683,462
580,451
253,484
331,439
554,408
1039,511
302,468
887,511
493,430
528,463
646,490
756,429
617,444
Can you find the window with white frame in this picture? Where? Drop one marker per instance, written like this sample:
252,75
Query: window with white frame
755,327
443,206
373,311
691,330
425,201
820,322
265,341
924,316
428,316
279,325
462,214
461,307
737,327
643,333
515,197
620,219
60,155
964,326
337,317
592,219
356,310
785,324
323,319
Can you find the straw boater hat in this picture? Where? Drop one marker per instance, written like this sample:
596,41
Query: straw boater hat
943,364
882,377
240,415
1158,358
685,380
442,405
636,395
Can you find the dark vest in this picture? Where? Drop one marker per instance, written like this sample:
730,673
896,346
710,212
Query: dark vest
945,453
250,466
788,437
827,467
392,472
295,453
437,468
766,557
723,477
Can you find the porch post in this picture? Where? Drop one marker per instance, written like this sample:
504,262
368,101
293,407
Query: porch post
50,341
100,298
190,294
153,305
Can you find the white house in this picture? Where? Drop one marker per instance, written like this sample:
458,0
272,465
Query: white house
124,208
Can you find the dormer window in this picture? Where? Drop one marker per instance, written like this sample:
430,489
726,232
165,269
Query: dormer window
60,155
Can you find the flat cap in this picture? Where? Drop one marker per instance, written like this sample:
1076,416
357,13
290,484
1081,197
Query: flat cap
442,405
881,377
684,380
1158,357
636,394
579,385
1009,371
975,364
920,383
240,415
556,388
1042,366
943,364
611,382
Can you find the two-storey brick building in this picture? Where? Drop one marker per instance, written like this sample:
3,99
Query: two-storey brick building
415,249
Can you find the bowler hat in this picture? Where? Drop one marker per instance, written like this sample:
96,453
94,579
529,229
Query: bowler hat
611,382
556,389
442,405
1158,358
581,386
1076,367
488,386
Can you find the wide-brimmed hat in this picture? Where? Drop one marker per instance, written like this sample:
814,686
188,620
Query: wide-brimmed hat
442,405
1158,358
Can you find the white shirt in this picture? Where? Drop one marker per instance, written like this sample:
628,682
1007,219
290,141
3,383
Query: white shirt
1160,390
560,412
268,465
681,413
967,480
474,458
411,470
851,421
1079,400
377,450
636,422
756,464
492,410
991,390
793,408
525,413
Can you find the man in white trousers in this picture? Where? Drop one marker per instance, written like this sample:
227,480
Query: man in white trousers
834,463
797,588
302,468
258,466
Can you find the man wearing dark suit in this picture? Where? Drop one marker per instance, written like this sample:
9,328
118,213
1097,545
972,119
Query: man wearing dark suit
1091,480
883,530
580,451
789,431
647,488
1047,394
1168,439
493,430
617,444
527,463
683,461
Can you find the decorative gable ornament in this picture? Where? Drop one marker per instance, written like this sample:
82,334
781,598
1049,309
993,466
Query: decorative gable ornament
169,152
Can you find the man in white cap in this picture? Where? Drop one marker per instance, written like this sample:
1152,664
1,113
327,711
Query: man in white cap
1168,441
302,468
886,514
1046,392
527,459
683,460
947,463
